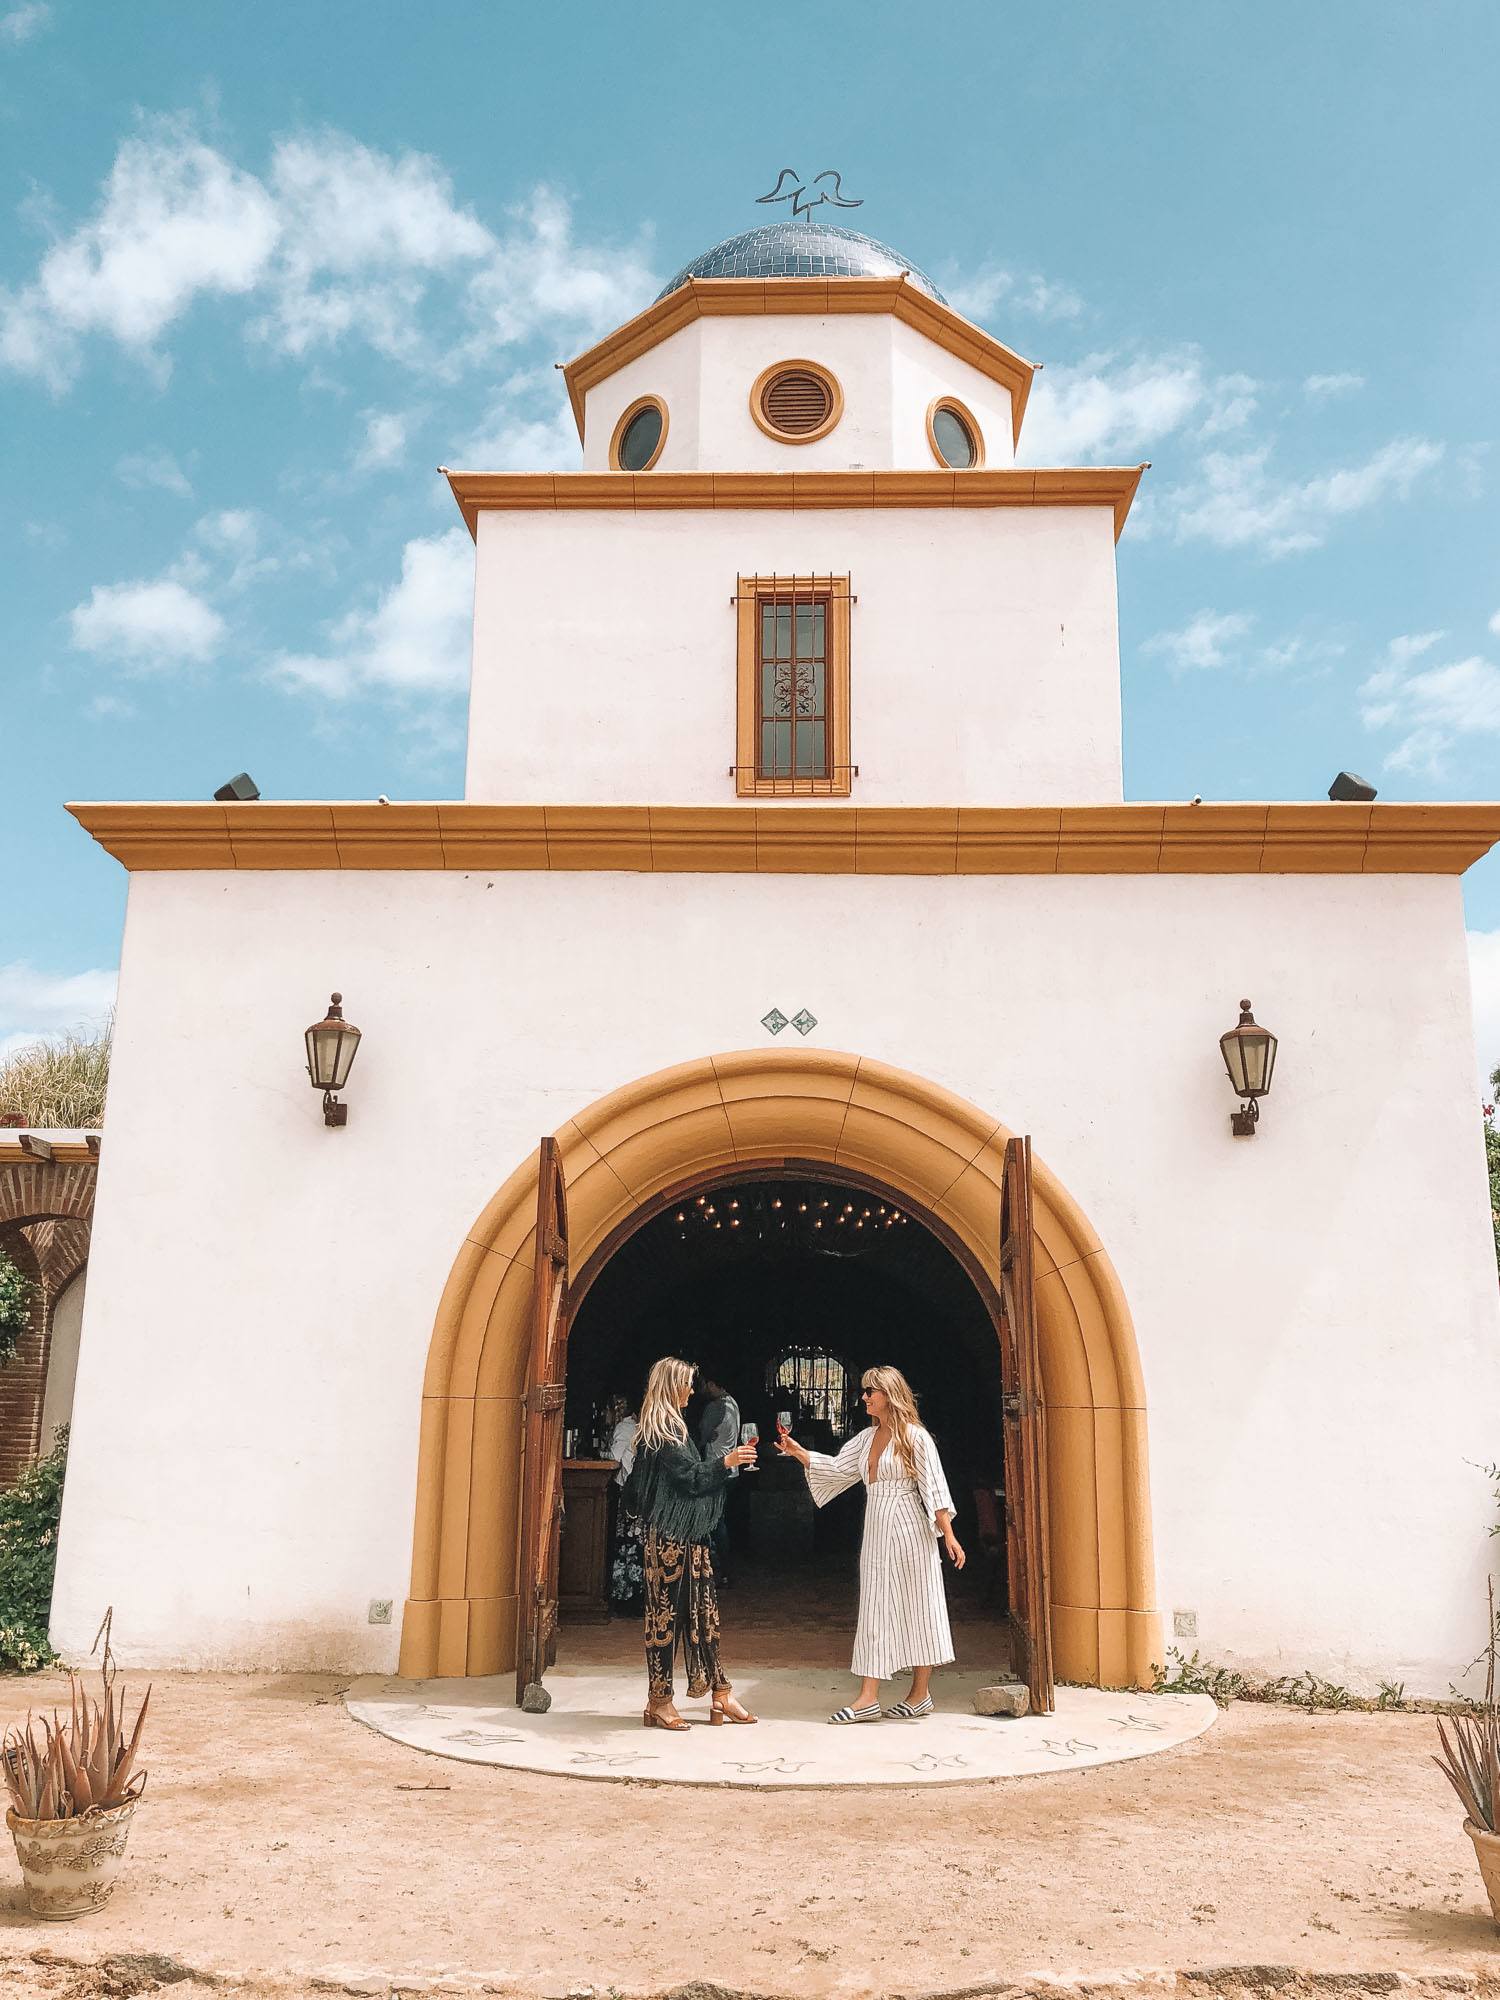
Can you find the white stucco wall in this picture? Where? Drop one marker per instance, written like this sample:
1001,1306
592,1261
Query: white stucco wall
888,371
1316,1308
62,1358
984,652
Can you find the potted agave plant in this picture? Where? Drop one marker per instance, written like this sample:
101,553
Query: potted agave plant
1470,1761
72,1797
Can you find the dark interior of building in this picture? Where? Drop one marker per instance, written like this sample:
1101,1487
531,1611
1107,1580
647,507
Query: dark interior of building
785,1291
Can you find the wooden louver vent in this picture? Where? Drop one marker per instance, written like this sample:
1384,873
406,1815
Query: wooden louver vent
796,402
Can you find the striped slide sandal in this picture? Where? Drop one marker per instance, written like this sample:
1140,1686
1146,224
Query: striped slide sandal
870,1714
910,1711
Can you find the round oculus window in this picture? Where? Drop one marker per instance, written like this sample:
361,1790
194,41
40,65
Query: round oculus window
641,439
798,402
952,438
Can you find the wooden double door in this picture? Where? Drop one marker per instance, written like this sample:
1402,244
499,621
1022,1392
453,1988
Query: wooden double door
1010,1292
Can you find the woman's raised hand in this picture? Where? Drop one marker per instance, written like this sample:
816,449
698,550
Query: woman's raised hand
788,1446
743,1454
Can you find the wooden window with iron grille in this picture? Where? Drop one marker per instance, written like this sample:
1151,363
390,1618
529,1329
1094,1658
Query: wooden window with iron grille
792,733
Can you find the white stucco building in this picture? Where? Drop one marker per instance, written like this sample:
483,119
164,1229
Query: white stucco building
799,702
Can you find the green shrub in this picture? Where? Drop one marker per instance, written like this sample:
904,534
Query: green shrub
17,1295
29,1513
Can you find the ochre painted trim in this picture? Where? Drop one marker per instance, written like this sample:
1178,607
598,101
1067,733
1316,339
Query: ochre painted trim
788,837
970,423
1110,486
701,298
750,593
830,382
627,416
755,1107
65,1152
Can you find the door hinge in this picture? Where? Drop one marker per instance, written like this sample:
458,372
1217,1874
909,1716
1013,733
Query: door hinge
1010,1406
547,1397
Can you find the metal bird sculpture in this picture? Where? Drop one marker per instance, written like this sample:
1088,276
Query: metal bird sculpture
797,193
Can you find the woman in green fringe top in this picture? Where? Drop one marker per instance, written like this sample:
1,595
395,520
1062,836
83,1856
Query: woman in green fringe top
678,1497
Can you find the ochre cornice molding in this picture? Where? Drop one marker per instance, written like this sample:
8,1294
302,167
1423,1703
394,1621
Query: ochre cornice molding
1112,486
798,839
701,297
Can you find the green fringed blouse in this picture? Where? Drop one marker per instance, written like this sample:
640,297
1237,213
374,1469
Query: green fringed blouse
675,1490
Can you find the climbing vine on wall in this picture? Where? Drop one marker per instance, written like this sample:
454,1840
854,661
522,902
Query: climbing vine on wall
1492,1154
17,1296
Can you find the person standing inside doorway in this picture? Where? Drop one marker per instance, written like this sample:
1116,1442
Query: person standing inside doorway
678,1497
718,1430
903,1613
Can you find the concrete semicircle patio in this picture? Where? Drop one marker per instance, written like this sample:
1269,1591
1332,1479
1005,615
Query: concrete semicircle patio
593,1730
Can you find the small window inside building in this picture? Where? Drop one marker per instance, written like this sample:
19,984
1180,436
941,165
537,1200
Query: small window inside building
796,401
954,435
639,436
793,734
818,1388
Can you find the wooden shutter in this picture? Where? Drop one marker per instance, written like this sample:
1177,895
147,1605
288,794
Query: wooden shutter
1025,1436
541,1469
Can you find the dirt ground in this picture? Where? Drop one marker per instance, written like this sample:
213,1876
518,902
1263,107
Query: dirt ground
285,1850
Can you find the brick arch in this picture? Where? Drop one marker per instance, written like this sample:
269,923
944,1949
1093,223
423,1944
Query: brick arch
46,1216
43,1190
747,1108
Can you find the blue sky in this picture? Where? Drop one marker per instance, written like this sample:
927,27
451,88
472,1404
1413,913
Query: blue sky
263,269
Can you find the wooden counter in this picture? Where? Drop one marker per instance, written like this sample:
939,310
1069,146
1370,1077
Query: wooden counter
584,1551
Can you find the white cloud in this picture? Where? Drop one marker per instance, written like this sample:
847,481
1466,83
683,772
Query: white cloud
1202,641
361,234
539,274
35,1004
158,623
1101,407
978,295
334,242
176,219
21,23
1495,622
1319,388
1484,972
1235,502
527,427
384,441
1433,707
414,641
234,539
154,468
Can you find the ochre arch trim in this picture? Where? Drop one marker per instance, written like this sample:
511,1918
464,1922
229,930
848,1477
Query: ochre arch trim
746,1107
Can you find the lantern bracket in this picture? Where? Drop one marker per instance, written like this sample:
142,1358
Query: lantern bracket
1242,1123
334,1113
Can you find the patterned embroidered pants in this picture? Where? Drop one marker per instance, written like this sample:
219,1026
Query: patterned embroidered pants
682,1610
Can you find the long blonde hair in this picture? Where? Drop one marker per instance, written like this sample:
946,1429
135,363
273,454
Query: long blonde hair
901,1412
661,1411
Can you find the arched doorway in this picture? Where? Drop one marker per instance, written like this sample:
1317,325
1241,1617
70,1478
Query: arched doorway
742,1110
785,1281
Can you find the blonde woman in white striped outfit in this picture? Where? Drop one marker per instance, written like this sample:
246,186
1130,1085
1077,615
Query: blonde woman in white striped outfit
903,1614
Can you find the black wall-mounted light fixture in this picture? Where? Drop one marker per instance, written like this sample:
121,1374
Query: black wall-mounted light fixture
332,1045
1249,1053
241,789
1349,789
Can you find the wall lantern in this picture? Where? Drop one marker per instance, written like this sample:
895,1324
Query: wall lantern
1249,1056
332,1045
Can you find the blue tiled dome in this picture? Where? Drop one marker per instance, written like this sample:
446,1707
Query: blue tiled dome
801,250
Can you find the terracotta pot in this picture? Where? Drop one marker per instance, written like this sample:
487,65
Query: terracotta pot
1487,1849
70,1865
